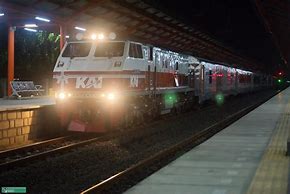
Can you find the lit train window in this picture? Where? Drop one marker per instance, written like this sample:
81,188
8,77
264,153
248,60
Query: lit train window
135,51
109,49
77,50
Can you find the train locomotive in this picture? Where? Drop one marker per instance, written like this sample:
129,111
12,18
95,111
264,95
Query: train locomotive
106,85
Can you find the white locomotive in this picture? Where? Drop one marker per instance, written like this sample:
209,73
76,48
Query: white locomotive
104,84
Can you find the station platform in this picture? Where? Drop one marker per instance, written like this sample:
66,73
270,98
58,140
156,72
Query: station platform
24,121
247,157
26,103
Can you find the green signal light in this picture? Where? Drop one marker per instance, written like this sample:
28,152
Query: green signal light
279,81
219,98
170,99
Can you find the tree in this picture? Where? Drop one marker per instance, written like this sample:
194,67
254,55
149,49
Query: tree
35,54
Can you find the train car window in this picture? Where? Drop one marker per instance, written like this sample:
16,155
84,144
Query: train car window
109,49
135,51
132,50
164,60
146,52
139,51
232,78
210,77
151,53
167,62
77,50
163,63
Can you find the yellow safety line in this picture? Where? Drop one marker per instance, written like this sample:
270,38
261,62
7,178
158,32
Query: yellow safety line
271,176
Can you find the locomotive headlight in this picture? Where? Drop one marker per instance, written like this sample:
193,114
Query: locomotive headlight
111,96
93,36
101,36
63,95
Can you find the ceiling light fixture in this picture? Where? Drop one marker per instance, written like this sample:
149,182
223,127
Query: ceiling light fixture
30,30
30,25
42,19
79,28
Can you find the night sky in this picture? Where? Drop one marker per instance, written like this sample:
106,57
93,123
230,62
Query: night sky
233,22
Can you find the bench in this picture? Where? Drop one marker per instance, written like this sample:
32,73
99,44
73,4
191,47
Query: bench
25,88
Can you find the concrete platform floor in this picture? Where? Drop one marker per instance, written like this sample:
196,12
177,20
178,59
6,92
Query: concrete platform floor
17,104
246,157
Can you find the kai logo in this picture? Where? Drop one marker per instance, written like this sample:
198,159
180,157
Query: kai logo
89,82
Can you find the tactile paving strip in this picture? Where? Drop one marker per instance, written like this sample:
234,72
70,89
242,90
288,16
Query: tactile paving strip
271,176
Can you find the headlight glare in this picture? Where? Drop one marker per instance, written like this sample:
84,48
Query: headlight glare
63,95
111,96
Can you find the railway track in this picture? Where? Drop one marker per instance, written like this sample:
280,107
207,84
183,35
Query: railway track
20,156
37,145
119,180
17,157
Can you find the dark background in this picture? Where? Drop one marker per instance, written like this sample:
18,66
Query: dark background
233,22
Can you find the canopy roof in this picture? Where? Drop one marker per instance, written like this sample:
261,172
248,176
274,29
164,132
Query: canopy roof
129,19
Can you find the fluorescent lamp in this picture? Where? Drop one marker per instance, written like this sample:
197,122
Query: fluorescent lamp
81,29
42,19
2,14
31,30
30,25
67,36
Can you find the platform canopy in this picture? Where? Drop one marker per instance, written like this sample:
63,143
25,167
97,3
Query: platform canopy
128,19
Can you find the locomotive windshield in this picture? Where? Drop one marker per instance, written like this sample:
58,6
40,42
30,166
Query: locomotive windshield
77,50
109,49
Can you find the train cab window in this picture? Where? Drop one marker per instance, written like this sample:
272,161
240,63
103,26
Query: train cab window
210,76
135,51
109,49
77,50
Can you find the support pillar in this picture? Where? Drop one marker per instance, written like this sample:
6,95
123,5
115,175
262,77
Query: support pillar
10,68
62,37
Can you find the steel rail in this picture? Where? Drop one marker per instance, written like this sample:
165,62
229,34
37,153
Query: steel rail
36,145
190,142
44,154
